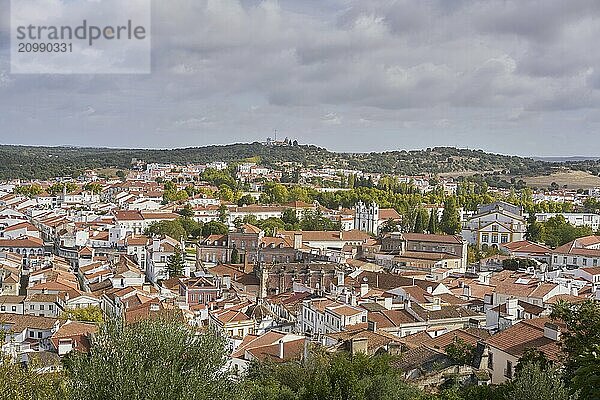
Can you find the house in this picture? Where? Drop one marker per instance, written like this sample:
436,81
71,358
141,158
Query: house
73,335
198,291
25,333
529,250
24,245
273,346
366,340
321,316
233,322
506,347
157,256
45,304
511,312
495,224
11,304
581,252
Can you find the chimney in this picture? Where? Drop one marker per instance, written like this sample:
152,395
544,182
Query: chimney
364,289
467,291
511,307
281,348
429,289
340,278
551,331
372,326
297,241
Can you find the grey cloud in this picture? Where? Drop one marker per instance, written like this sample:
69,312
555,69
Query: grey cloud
381,74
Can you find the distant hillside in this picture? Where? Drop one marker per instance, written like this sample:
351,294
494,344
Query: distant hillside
27,162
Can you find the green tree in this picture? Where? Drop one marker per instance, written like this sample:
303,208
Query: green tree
271,225
187,211
290,218
534,229
175,264
535,382
121,175
93,187
420,221
151,359
329,377
432,226
222,213
557,231
460,352
246,200
18,383
235,256
214,228
87,314
580,343
173,229
388,226
450,221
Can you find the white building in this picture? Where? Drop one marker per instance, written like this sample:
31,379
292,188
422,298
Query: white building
495,224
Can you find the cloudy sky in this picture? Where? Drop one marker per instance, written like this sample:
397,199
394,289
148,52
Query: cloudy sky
510,76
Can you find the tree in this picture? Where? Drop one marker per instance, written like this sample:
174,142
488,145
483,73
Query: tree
186,211
534,229
222,213
388,226
235,256
246,200
290,218
151,359
450,222
432,227
558,231
18,383
420,221
121,175
535,382
580,343
172,228
93,187
214,228
460,352
175,264
323,376
88,314
271,225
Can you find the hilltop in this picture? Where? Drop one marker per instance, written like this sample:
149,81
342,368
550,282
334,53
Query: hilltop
29,162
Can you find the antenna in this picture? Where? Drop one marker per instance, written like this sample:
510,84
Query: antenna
275,131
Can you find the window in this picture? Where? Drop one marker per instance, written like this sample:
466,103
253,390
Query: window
31,334
504,238
39,335
495,228
575,260
595,262
508,372
584,261
41,307
494,238
14,308
555,259
3,308
564,260
32,306
491,361
51,307
485,237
